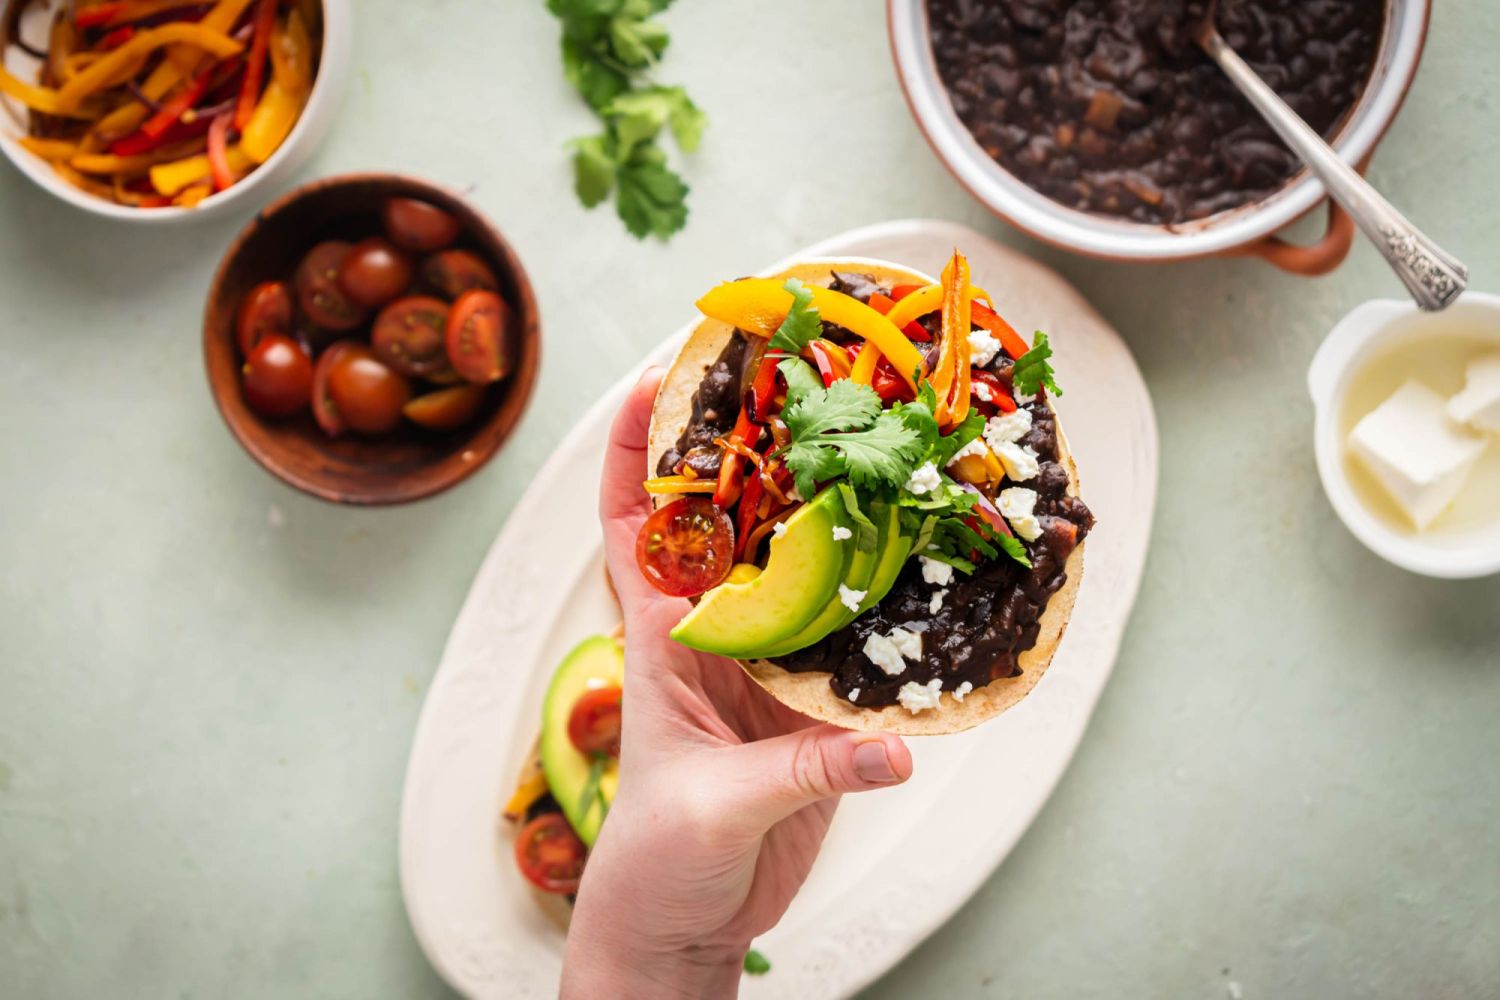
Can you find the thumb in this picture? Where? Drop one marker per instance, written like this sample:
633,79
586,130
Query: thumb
778,776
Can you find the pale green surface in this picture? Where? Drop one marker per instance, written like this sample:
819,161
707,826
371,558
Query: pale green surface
1290,784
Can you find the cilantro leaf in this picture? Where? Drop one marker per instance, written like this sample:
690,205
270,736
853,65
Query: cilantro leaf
1011,546
802,324
638,116
1033,372
651,199
877,457
593,168
800,377
598,82
811,464
635,42
843,406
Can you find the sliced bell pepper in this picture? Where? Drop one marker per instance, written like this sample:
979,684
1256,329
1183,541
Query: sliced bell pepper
51,150
914,305
291,54
884,304
98,14
731,468
824,364
745,517
763,389
172,109
171,178
255,63
1002,331
999,395
99,74
758,305
218,153
129,11
190,197
661,485
117,37
271,123
43,99
863,370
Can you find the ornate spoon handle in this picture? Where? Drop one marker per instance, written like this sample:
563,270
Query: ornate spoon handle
1432,275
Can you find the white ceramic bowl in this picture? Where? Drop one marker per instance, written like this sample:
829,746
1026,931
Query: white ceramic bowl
1242,230
311,127
1470,551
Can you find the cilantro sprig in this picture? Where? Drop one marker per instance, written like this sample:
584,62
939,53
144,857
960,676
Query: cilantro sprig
841,431
802,325
1033,371
608,49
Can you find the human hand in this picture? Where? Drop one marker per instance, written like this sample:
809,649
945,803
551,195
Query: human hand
725,794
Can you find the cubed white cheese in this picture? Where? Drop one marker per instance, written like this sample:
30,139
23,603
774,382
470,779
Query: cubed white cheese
916,697
908,643
854,694
935,572
1416,451
924,480
1017,505
982,391
1023,398
1006,428
840,533
1021,462
778,529
850,598
882,652
974,447
982,348
935,603
962,690
1479,403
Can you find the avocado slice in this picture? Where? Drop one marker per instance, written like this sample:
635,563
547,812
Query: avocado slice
893,556
802,575
860,576
595,662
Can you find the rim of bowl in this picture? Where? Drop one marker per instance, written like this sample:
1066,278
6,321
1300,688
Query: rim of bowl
522,382
327,88
1409,552
1012,200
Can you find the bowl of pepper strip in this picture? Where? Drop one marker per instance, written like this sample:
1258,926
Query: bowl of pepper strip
160,110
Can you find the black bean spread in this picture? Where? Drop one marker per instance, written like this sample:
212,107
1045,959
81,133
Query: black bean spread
1109,106
985,620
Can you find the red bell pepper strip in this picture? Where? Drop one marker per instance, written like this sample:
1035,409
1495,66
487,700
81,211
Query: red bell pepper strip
745,519
116,38
174,107
999,395
99,13
1001,330
731,468
825,366
884,303
763,389
255,63
902,291
218,153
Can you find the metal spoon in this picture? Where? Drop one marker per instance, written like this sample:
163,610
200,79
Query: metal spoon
1433,276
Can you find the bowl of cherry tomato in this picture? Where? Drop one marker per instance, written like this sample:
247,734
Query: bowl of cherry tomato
371,339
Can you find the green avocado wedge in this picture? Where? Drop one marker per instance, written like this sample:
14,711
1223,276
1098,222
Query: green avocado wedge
804,570
595,662
894,553
861,576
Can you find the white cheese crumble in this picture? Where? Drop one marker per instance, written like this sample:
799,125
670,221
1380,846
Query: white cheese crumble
982,391
962,690
1007,428
851,598
974,447
937,573
1021,463
840,533
1024,398
916,697
778,529
936,603
854,694
1018,505
924,480
882,652
982,348
908,643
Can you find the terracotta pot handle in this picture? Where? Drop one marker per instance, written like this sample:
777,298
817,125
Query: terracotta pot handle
1313,259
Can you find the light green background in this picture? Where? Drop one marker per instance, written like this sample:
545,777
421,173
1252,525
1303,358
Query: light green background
208,682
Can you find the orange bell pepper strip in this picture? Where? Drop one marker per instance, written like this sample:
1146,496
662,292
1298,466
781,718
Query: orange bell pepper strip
51,150
291,55
758,305
1002,331
43,99
863,369
919,300
950,377
102,72
271,123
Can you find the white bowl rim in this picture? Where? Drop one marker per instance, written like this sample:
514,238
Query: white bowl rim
1100,236
327,87
1366,327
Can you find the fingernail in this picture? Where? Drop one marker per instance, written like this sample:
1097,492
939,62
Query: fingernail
872,764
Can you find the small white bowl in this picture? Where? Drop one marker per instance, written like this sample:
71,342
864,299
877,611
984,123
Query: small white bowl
1451,552
311,127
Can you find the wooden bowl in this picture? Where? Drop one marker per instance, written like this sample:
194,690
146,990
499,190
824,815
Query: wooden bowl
410,462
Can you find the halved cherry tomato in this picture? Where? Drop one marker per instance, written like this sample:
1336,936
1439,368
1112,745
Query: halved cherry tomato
454,272
368,393
594,723
325,410
478,336
417,226
278,376
319,295
375,272
446,409
410,335
267,309
686,547
550,854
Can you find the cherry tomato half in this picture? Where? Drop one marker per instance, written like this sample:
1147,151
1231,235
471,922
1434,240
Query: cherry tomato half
478,334
454,272
368,394
325,410
267,309
375,272
686,547
409,335
319,294
550,854
417,226
594,723
278,376
446,409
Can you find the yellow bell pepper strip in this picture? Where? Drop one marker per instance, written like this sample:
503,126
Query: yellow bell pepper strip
190,197
863,370
51,150
951,376
99,74
679,484
171,178
291,54
758,305
43,99
532,786
928,298
271,123
842,363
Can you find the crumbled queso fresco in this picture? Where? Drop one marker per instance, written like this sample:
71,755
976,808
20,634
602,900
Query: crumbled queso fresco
854,694
974,447
1017,505
840,533
889,651
982,391
778,529
850,598
937,573
936,603
924,480
982,348
916,697
962,690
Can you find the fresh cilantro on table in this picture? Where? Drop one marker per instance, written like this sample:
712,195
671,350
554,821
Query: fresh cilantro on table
1032,371
802,324
608,47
